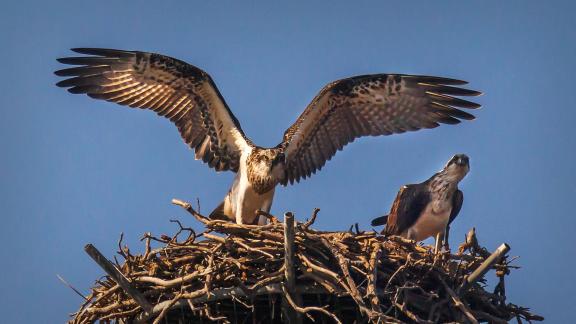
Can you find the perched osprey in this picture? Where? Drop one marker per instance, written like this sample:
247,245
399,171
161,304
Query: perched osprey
379,104
428,208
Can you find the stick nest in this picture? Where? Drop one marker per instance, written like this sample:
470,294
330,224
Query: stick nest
241,275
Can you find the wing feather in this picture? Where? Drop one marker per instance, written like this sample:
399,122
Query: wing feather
408,205
369,105
457,201
182,93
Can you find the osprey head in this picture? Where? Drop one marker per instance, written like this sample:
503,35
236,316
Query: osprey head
457,167
265,168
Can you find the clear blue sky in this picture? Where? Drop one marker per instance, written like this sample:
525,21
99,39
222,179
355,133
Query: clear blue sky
75,170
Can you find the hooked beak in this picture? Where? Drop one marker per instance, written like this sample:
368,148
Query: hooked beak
462,160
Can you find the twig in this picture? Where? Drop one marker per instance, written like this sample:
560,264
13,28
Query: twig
117,276
71,287
373,277
351,285
174,282
120,248
289,251
305,310
191,235
269,216
458,303
490,318
166,308
312,219
356,273
487,264
253,249
289,277
411,315
147,249
191,210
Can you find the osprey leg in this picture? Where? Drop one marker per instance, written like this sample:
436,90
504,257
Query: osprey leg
446,234
438,244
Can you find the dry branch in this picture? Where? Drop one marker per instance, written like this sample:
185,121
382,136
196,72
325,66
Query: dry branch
117,276
289,276
241,273
487,264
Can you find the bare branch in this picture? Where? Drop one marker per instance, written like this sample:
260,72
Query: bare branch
71,287
359,276
305,310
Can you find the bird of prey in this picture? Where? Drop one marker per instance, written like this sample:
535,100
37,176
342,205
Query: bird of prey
367,105
427,209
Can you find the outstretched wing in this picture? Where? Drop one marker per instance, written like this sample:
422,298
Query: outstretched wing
370,105
409,204
457,201
172,88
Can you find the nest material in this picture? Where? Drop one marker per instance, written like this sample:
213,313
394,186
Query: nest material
251,275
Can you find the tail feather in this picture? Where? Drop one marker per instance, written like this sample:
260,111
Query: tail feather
218,213
378,221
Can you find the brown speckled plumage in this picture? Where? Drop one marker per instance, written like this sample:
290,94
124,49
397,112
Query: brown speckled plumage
182,93
367,105
437,195
260,163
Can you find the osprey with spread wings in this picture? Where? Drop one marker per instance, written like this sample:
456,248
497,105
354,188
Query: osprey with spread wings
367,105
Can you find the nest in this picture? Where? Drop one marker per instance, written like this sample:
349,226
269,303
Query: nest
289,272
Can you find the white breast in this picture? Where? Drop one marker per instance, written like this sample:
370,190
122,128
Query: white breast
431,222
243,201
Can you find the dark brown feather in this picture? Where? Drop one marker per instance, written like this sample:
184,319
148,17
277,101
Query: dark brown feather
218,213
369,105
379,221
408,205
103,52
457,201
83,71
182,93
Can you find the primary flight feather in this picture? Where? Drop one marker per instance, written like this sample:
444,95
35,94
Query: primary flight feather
368,105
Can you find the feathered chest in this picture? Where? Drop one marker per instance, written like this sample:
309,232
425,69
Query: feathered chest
441,193
263,169
436,215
